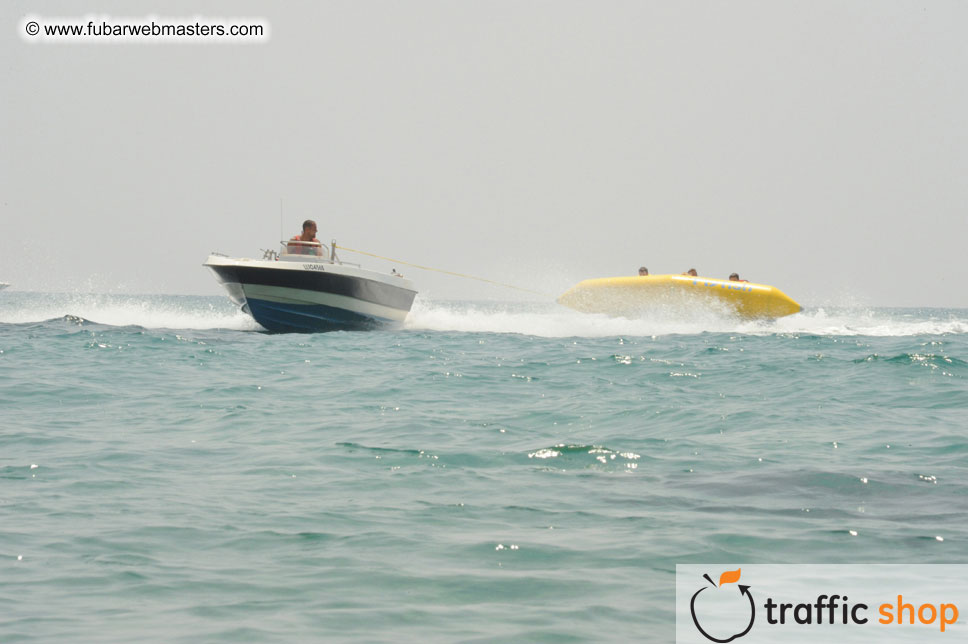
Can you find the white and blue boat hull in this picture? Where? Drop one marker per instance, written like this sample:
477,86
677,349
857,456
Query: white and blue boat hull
309,296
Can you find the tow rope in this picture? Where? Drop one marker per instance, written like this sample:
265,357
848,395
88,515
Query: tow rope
439,270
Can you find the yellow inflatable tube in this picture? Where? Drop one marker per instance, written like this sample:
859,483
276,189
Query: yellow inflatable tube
633,295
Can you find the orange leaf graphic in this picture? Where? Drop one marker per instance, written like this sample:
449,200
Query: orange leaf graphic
729,577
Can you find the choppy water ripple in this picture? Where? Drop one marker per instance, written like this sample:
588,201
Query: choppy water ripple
169,473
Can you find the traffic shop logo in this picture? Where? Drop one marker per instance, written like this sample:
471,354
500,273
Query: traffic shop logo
737,599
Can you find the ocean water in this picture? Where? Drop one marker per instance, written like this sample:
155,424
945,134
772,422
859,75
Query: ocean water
489,472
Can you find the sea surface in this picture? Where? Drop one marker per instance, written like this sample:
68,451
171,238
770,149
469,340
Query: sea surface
488,472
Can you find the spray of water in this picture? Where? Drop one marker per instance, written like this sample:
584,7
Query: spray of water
148,311
537,319
552,320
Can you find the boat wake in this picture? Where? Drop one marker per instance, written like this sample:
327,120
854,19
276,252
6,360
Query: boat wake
147,311
552,320
536,319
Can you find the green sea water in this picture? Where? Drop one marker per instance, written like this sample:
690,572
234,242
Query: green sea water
489,472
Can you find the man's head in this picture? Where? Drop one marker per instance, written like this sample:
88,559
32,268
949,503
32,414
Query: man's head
692,271
734,277
309,228
643,271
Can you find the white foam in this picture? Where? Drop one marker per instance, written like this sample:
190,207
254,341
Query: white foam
552,320
874,322
537,319
152,312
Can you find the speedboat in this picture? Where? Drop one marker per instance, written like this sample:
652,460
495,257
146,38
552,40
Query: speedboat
630,296
305,288
4,285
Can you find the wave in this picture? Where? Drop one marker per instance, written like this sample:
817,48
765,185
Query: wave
147,311
552,320
541,319
931,360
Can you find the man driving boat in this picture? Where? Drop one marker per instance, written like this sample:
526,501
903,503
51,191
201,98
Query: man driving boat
296,245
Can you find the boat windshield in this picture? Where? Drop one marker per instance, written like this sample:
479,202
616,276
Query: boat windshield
299,247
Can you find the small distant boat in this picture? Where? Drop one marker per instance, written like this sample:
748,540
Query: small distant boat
4,285
631,296
305,288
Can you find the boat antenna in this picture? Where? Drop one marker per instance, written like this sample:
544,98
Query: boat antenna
282,230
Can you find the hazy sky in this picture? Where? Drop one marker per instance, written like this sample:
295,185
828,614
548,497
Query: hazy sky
821,147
